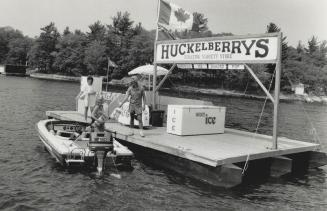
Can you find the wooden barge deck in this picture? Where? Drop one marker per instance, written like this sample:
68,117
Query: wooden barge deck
216,159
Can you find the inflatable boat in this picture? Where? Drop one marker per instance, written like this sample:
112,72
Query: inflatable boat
72,143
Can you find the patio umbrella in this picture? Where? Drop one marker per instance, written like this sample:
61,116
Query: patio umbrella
148,70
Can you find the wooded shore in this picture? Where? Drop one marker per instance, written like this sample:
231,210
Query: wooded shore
193,90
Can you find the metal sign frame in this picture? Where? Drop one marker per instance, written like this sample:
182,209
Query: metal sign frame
274,99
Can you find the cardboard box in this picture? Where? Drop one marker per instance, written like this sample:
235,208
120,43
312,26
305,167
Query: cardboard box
195,119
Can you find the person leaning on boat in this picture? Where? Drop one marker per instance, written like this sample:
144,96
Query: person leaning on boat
135,94
88,95
99,117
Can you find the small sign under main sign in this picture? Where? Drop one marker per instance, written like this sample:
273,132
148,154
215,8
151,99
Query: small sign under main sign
217,66
236,66
200,66
185,66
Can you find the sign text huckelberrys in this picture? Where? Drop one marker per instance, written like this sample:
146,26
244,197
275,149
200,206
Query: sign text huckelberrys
249,50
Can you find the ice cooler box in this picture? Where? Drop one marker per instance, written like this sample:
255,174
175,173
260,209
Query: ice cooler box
195,119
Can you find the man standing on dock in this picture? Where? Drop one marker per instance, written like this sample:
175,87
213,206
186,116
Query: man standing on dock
136,95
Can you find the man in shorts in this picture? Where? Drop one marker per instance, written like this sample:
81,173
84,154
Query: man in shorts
136,95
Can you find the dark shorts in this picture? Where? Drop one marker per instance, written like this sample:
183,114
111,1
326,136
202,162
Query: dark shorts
98,127
135,109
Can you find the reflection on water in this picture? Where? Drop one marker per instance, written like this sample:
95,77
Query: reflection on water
30,178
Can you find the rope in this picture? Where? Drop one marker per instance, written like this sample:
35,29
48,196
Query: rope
246,88
246,164
313,130
264,104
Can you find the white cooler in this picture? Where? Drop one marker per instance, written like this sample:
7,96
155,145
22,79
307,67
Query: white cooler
195,119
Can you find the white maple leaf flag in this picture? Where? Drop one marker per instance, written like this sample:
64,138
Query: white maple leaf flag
174,17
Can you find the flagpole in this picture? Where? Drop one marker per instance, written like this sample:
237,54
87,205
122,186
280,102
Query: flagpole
107,73
154,105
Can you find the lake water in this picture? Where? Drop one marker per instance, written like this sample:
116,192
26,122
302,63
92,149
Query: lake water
31,180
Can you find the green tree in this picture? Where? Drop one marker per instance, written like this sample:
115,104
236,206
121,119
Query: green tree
44,49
119,40
141,50
122,24
95,58
316,52
97,31
272,28
69,56
18,49
323,53
270,68
7,34
66,31
313,46
300,47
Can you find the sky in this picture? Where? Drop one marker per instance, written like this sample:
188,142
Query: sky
299,19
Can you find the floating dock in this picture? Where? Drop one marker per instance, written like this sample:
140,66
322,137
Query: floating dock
217,159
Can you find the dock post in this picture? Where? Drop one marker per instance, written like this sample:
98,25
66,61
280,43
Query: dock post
277,90
154,106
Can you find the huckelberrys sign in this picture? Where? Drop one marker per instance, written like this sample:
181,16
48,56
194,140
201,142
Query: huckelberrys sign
234,49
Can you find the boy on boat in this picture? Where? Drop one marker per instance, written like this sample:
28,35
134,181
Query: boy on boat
136,95
88,94
99,117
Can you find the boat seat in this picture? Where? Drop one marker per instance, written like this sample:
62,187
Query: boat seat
66,134
84,137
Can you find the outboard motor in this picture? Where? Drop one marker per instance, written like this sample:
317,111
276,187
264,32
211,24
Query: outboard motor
101,143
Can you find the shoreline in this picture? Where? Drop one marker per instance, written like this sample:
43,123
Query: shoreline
193,90
55,77
232,93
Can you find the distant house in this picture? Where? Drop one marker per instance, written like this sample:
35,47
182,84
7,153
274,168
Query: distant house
2,69
298,89
17,70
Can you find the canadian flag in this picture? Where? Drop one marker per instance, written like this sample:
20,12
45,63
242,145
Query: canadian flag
174,17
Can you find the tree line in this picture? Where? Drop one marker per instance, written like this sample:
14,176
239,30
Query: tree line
129,45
